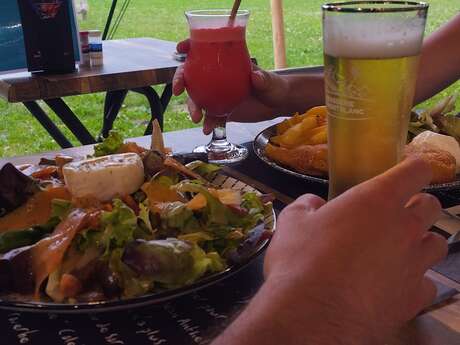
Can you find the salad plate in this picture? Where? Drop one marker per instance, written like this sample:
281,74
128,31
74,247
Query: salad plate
181,228
256,248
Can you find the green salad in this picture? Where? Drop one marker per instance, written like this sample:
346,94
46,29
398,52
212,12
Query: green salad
173,227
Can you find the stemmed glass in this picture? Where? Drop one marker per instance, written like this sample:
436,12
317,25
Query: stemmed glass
217,74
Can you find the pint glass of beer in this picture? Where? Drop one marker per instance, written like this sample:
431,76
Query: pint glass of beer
371,55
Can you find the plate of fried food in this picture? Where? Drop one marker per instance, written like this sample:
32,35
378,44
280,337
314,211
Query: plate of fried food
123,228
298,145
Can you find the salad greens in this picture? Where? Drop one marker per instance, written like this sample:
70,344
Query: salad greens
118,226
27,237
110,145
441,118
175,229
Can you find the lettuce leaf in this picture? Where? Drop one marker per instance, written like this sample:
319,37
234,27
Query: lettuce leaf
60,208
221,219
256,210
172,263
208,171
26,237
196,237
87,239
175,215
215,212
110,145
166,181
119,226
203,263
130,282
144,216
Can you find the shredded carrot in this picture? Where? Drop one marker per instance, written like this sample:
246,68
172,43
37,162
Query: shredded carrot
48,253
94,219
70,286
129,200
131,147
45,173
107,207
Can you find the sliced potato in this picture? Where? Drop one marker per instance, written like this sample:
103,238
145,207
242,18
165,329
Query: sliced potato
288,123
318,138
276,140
295,135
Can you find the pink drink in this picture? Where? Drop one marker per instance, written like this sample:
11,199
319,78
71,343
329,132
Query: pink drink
218,68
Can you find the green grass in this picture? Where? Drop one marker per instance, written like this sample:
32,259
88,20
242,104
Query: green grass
21,134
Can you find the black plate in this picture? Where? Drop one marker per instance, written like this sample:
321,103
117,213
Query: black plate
262,139
153,298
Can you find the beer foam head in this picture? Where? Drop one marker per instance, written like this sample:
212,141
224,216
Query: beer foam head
369,37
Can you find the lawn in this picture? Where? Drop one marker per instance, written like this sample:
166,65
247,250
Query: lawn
21,134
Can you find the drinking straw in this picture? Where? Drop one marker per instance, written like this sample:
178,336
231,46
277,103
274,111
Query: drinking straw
236,6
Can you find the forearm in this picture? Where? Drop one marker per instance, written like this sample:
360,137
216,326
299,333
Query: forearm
281,95
304,92
276,316
439,61
439,68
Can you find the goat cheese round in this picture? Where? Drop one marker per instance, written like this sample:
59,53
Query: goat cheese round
105,177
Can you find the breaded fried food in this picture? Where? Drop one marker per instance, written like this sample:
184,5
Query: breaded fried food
305,159
442,162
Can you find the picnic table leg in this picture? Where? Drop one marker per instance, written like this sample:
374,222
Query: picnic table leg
156,106
49,125
72,122
115,99
166,97
112,105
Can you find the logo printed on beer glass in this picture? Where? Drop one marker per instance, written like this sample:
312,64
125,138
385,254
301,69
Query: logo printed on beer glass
345,95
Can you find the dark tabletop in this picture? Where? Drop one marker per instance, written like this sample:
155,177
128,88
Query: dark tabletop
198,317
128,64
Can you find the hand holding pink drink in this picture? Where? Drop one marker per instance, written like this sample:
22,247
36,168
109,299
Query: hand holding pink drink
217,73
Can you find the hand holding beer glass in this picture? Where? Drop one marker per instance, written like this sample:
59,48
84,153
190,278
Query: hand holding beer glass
371,55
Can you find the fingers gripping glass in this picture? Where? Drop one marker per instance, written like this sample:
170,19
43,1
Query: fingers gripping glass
217,74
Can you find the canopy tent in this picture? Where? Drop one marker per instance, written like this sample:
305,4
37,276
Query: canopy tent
279,45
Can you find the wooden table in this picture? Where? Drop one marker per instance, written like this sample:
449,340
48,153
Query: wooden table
438,326
131,64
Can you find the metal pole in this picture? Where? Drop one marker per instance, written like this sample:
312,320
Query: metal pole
109,19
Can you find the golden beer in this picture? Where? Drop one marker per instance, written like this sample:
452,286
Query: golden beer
371,55
369,103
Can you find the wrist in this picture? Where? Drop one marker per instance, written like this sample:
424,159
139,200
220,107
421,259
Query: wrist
286,107
303,92
284,312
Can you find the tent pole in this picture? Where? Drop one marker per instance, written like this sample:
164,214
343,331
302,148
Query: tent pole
279,45
109,19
